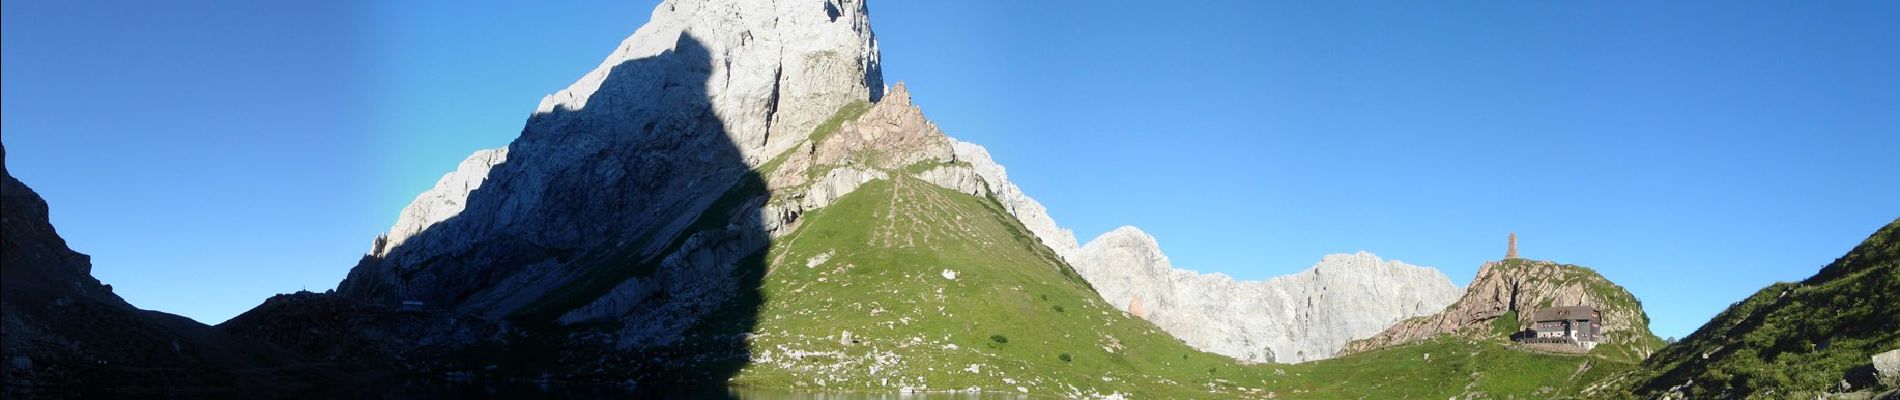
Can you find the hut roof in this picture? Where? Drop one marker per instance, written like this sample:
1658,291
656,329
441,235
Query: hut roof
1565,313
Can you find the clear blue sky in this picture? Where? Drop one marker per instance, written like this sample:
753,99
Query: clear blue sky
209,154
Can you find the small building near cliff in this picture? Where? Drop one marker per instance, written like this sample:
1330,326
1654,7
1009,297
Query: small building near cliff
1582,325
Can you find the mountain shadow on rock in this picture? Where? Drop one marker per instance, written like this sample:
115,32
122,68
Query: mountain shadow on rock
617,242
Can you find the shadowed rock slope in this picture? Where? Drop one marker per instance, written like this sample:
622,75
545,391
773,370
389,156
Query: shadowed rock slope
1791,340
618,237
63,333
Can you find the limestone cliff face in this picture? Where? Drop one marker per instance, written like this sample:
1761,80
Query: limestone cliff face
1517,288
628,156
1300,317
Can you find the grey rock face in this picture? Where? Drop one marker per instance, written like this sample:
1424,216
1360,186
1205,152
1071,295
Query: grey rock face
442,201
1300,317
1888,365
617,167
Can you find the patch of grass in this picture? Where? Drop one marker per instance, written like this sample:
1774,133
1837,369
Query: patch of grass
1455,368
888,242
830,126
1506,325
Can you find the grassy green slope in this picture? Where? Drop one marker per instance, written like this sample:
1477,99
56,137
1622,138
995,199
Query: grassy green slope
1006,319
1014,315
1792,338
1447,367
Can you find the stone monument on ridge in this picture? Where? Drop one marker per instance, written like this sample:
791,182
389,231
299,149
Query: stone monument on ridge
1511,251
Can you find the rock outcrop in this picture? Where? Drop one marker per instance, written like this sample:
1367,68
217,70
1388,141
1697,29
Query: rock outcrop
1887,365
1511,291
1300,317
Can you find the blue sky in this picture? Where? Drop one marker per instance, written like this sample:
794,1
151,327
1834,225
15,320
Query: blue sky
211,153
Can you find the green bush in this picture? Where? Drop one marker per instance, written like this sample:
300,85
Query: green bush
1065,357
1057,308
999,339
1506,325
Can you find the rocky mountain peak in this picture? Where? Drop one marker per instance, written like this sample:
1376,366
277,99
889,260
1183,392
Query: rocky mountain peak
774,69
682,109
1126,236
894,133
1506,293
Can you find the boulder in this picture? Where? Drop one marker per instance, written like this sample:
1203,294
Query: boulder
1887,366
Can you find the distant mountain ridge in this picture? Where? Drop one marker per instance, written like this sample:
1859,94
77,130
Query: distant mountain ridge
1294,318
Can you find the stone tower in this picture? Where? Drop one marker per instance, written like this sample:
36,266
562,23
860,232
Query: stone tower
1511,252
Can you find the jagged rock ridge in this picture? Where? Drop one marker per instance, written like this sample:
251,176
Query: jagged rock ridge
1300,317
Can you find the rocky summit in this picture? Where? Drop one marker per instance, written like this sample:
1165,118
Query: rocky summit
1502,299
1300,317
